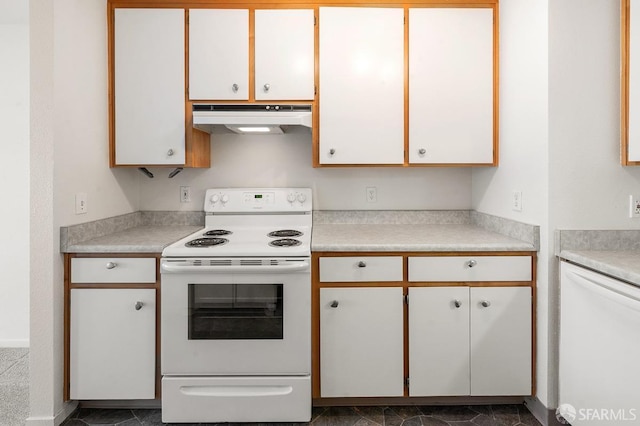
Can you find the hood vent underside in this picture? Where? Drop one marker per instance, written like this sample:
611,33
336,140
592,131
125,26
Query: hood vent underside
251,118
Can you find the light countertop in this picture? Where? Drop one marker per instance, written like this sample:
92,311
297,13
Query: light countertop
411,237
139,239
620,264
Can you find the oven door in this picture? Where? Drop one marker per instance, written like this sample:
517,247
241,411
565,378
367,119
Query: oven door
236,320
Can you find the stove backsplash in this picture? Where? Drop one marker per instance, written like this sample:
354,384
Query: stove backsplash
286,160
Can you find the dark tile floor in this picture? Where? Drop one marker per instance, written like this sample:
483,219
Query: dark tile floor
475,415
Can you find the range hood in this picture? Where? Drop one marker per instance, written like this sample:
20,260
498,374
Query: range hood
250,118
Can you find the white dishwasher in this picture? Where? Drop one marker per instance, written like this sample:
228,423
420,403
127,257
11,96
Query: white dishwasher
599,348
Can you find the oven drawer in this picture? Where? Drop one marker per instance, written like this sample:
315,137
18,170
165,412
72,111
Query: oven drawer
236,399
361,269
113,270
469,268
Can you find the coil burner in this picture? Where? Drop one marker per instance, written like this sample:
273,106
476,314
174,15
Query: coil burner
285,233
217,233
285,242
207,242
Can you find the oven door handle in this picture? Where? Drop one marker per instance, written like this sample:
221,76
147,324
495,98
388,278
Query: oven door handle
288,267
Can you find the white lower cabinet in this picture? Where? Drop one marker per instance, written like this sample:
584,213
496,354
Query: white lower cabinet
469,341
439,341
112,343
361,342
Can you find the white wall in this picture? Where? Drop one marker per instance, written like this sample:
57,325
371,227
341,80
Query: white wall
14,174
69,143
589,188
286,160
523,144
560,101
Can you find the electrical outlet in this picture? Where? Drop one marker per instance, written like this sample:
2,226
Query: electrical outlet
81,203
372,194
634,206
185,194
516,200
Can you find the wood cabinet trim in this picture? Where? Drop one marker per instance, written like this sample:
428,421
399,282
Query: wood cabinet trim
67,308
405,284
197,146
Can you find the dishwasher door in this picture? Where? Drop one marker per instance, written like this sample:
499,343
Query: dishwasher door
599,348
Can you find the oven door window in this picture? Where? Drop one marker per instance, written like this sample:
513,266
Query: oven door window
235,311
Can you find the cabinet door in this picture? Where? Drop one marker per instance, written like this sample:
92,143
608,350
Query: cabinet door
438,341
219,54
284,54
361,342
112,346
501,341
451,95
361,85
149,87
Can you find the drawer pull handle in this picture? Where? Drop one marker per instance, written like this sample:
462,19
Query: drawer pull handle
362,264
111,265
457,303
334,304
485,303
472,263
139,305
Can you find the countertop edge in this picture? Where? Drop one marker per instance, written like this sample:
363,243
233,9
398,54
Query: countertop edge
590,260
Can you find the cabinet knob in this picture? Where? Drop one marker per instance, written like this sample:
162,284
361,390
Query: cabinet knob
139,305
235,88
267,87
485,303
170,152
422,151
332,151
471,263
111,265
457,303
362,264
334,304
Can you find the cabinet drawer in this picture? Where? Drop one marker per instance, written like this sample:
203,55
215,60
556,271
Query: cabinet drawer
113,270
361,269
470,268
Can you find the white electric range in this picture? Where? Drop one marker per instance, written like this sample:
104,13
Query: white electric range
236,311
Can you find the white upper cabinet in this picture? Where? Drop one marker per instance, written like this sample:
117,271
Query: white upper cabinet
219,54
284,54
631,83
361,66
451,86
149,87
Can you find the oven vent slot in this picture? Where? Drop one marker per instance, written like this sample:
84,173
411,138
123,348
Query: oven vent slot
218,262
230,262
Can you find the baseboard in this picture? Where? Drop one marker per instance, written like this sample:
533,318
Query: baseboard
546,416
17,343
62,415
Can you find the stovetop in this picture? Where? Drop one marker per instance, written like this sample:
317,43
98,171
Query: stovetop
243,241
251,222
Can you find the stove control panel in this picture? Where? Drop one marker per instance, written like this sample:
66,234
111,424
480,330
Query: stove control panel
242,200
